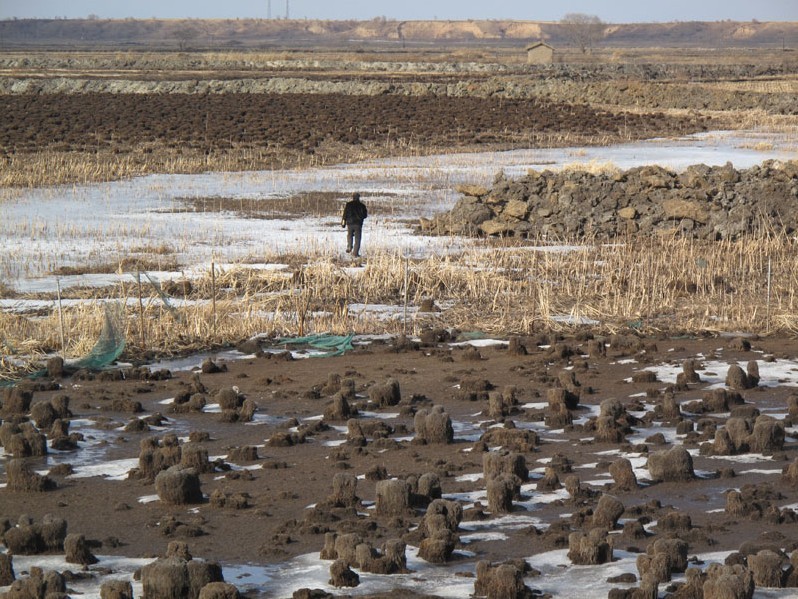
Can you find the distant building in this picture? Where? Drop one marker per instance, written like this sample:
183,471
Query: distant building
539,53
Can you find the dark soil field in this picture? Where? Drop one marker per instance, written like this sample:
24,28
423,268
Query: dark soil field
303,122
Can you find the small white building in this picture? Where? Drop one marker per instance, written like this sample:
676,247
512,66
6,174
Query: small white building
539,53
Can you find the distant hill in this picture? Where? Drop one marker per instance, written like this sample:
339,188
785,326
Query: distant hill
199,34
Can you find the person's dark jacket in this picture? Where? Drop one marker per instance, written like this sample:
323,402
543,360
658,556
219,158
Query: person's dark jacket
355,213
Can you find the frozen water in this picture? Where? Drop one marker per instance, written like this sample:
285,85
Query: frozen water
43,229
107,568
771,374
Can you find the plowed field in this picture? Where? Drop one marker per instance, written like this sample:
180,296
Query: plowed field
303,122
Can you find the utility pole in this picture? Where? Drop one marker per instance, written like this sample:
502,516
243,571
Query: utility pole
268,9
287,12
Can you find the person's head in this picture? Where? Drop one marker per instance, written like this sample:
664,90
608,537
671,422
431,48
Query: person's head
356,196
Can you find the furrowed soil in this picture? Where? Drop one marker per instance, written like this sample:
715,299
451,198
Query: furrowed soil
129,134
304,121
269,514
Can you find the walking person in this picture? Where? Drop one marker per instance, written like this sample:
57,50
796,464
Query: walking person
354,214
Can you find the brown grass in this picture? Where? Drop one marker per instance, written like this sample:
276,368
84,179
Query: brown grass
785,86
128,264
53,167
312,203
656,285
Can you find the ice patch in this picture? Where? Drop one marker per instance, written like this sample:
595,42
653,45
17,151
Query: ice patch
111,470
107,568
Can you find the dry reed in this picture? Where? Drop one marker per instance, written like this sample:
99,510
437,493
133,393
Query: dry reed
654,285
55,167
58,167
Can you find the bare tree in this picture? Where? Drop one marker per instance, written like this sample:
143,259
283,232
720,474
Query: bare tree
583,30
208,29
185,35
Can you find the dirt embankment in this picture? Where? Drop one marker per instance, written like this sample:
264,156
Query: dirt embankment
140,64
632,94
636,86
702,202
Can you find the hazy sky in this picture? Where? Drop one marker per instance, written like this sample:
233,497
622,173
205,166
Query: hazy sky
611,11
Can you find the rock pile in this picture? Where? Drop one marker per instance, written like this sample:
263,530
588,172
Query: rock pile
704,202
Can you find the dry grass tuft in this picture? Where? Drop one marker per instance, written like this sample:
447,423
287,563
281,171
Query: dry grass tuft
311,203
593,167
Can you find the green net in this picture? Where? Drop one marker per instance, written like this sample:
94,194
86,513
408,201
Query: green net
110,344
335,345
106,350
472,335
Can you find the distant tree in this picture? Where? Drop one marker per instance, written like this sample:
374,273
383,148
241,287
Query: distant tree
184,35
583,30
93,17
208,30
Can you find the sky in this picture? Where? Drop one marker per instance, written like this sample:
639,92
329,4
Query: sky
610,11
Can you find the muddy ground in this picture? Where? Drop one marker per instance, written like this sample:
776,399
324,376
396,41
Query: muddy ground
267,516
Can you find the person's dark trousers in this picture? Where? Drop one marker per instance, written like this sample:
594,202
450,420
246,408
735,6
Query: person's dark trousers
353,233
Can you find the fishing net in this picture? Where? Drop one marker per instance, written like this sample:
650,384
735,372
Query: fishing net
109,345
164,297
335,345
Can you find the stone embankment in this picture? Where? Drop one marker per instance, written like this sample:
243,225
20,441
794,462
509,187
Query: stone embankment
701,202
648,86
148,64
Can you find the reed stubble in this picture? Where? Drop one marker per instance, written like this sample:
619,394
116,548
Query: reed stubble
651,286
